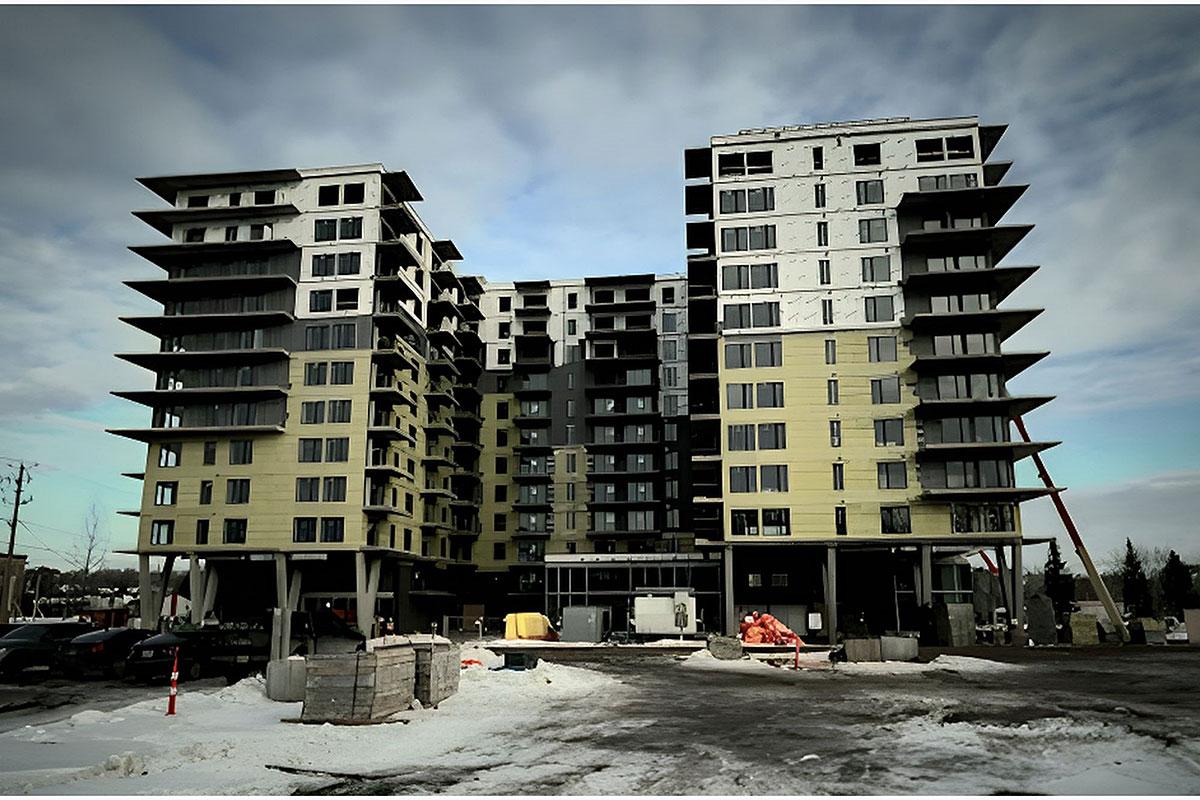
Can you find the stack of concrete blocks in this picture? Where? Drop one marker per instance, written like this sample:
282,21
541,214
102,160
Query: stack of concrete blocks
1145,630
1191,620
954,624
286,679
1084,630
367,686
438,666
882,648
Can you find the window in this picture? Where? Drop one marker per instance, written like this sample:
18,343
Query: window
835,433
235,199
312,413
237,490
777,522
895,519
344,337
308,490
333,529
760,199
770,394
877,269
231,233
320,300
325,230
960,147
210,452
818,158
839,476
668,323
754,580
930,150
264,197
742,479
349,263
827,311
741,437
774,478
304,529
353,193
965,180
334,489
768,354
881,348
241,451
350,228
869,192
169,454
772,436
754,237
885,390
822,234
323,265
743,522
341,373
867,155
337,449
830,351
235,531
839,521
198,201
737,356
764,276
889,432
347,299
165,493
504,356
192,235
779,578
201,531
501,465
339,410
819,195
824,273
206,491
892,475
762,315
880,308
733,202
162,531
982,518
310,451
831,391
739,395
327,195
316,337
752,163
735,276
872,230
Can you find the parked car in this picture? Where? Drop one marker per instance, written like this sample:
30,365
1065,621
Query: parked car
35,645
103,651
152,657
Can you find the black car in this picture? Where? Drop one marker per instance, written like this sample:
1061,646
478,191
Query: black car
152,658
102,651
35,645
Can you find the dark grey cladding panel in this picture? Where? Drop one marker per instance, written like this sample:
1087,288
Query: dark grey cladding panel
294,334
489,381
559,395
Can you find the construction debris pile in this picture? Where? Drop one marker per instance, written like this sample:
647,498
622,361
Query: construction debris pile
758,628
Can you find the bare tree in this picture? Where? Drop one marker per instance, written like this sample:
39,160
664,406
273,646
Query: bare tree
87,555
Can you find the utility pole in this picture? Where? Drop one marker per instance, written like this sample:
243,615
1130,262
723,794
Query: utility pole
6,589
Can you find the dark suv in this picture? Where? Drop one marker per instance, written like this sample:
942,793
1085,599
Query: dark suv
36,645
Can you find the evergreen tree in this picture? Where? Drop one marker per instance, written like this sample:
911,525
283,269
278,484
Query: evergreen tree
1177,590
1058,583
1135,586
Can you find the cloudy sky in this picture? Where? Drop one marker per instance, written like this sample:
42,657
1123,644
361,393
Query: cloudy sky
548,142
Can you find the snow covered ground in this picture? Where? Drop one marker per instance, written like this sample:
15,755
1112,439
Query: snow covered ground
663,725
222,741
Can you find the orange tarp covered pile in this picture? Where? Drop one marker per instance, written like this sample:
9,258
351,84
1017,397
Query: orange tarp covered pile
765,629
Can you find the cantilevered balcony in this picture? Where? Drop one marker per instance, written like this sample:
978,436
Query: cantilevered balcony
991,202
1001,281
1003,322
1006,364
169,255
1006,451
165,220
1010,406
999,240
202,394
176,289
187,359
198,323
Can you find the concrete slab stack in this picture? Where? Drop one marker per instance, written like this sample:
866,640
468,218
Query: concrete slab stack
365,686
438,666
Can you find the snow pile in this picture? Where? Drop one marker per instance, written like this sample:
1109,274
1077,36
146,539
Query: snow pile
486,658
702,659
221,742
943,663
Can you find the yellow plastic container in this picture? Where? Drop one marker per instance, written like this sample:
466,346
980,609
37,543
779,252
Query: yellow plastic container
529,625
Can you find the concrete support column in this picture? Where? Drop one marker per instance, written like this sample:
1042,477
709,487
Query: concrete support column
366,588
831,617
196,587
281,617
926,584
160,592
1018,594
731,621
1005,580
146,594
210,589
